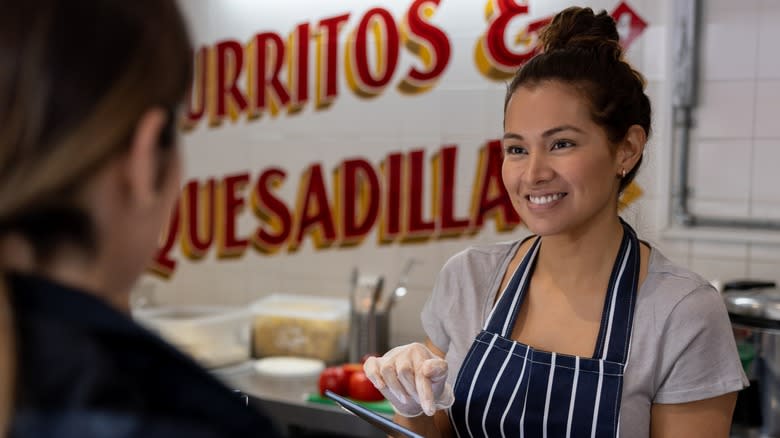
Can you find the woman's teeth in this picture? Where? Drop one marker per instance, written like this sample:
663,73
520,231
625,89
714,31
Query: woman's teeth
541,200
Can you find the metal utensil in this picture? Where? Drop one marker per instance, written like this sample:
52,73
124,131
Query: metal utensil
368,327
373,327
400,288
380,282
353,283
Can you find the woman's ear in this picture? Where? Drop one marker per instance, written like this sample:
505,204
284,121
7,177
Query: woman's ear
631,148
142,160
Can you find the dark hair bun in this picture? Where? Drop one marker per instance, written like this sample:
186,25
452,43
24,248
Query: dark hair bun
577,27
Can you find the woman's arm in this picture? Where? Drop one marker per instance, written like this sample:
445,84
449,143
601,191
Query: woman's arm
709,418
437,426
698,361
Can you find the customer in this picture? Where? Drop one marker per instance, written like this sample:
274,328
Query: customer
89,171
533,338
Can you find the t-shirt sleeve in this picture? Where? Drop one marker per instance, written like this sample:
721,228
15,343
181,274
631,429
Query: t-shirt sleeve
436,310
699,358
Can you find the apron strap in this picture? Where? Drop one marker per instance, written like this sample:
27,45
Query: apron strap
618,314
502,318
614,336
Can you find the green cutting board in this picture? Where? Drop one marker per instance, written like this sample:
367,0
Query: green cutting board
383,407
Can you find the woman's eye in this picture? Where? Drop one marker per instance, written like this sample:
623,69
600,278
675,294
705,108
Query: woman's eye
514,150
562,144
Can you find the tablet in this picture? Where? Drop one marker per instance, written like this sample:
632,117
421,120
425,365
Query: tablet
380,422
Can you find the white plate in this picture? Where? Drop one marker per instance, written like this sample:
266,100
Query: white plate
289,366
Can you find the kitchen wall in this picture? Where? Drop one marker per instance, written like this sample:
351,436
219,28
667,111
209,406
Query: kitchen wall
735,145
735,148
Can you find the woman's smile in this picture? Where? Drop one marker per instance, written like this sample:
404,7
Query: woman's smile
545,201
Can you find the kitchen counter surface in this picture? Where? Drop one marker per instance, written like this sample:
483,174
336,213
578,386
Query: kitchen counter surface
284,400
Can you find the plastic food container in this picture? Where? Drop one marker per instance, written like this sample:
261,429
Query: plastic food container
301,325
213,336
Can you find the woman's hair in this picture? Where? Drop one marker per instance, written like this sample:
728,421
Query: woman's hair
76,76
582,49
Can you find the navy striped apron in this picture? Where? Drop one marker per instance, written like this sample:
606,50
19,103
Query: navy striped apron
508,389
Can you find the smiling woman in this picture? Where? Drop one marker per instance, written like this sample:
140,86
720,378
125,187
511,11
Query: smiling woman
559,167
534,336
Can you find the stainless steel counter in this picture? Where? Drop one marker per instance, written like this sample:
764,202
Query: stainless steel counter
284,400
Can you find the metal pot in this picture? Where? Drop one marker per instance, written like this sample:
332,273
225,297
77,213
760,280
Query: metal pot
754,310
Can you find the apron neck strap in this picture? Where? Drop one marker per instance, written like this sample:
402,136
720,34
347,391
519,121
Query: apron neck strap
504,314
617,317
618,314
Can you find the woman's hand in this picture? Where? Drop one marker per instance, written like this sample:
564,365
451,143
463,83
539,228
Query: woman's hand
412,378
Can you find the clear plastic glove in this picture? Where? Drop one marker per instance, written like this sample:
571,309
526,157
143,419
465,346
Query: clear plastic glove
412,378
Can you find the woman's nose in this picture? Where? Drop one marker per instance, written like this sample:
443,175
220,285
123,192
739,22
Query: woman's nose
538,169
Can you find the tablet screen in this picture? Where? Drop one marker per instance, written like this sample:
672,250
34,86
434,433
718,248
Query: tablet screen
378,421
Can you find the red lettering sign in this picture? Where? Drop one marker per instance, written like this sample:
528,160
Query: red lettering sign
232,203
272,211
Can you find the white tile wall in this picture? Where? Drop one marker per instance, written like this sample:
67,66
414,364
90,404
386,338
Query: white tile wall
767,108
736,141
764,253
654,60
727,208
647,177
765,211
765,186
768,36
459,108
719,269
764,271
726,109
729,39
712,164
718,250
639,216
678,251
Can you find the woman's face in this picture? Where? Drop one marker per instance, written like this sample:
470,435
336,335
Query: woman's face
137,220
559,168
165,197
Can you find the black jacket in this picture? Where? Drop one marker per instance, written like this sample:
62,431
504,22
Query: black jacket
86,370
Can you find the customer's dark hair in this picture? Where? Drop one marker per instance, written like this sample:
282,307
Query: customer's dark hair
76,77
582,48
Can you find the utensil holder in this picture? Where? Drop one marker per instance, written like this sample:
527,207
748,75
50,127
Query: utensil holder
368,334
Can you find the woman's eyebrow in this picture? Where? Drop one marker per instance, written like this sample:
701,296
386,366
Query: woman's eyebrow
545,134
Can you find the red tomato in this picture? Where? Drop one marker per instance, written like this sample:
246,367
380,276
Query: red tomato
360,388
335,379
351,368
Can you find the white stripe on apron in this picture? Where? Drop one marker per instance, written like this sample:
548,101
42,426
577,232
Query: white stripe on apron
514,393
476,377
573,395
547,397
493,389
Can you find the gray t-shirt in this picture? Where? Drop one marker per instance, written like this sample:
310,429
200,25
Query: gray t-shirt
682,346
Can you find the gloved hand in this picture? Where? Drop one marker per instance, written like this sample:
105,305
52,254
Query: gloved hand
412,378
